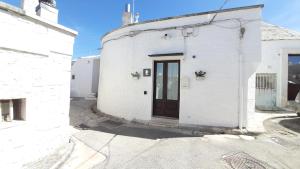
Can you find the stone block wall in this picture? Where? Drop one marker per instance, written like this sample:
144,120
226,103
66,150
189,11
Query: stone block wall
35,66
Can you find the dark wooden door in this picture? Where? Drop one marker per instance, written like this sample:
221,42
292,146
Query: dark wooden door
166,88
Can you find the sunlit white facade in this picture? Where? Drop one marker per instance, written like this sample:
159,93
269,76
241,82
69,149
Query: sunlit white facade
228,50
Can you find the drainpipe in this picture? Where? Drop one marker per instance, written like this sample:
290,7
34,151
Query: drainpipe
185,47
1,112
241,78
241,93
185,36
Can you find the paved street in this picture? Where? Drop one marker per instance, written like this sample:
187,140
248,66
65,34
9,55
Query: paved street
22,145
103,143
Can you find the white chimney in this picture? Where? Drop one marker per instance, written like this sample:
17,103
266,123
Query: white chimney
46,9
29,6
127,16
48,12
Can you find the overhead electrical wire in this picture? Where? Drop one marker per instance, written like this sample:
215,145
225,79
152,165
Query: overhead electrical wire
240,21
137,32
222,6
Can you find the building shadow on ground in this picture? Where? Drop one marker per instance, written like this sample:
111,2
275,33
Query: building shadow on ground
292,124
84,117
139,131
151,132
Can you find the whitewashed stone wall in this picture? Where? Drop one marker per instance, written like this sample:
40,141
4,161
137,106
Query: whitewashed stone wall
277,43
221,99
35,64
275,60
86,73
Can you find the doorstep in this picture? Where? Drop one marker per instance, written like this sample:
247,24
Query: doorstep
164,122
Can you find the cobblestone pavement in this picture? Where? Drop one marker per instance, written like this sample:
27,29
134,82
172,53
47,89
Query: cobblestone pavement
130,146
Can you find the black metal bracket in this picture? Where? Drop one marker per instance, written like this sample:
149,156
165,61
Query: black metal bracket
200,74
136,75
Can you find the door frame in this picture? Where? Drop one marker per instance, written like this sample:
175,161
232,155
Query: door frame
165,91
288,86
283,76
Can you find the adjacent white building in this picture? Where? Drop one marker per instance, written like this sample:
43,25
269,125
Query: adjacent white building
85,77
35,66
279,72
198,69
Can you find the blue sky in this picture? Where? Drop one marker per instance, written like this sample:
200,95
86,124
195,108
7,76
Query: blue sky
93,18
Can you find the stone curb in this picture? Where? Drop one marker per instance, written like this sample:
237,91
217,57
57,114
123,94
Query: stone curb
97,112
275,127
65,157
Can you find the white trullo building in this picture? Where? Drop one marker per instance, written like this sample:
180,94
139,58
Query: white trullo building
197,69
35,66
278,75
85,77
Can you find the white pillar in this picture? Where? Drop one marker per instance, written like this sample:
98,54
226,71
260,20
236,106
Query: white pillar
11,110
1,112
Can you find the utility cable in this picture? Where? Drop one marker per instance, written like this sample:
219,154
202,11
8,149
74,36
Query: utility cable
222,6
137,32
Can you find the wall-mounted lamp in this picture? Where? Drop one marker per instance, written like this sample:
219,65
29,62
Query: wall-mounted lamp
242,32
136,75
201,74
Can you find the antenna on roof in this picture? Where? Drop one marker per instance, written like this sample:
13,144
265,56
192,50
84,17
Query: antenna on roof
133,6
135,16
133,10
129,15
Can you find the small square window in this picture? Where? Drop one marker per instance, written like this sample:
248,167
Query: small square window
73,77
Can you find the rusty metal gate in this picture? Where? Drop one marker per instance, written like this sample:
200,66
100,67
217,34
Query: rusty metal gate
265,91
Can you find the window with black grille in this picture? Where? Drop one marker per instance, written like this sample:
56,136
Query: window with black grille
266,81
